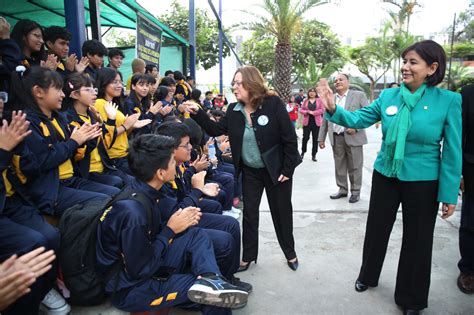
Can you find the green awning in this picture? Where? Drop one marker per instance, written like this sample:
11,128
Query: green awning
113,13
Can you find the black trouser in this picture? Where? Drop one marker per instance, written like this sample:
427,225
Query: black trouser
279,200
466,230
314,129
420,209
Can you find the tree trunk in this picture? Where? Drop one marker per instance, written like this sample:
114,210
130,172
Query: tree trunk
372,88
283,65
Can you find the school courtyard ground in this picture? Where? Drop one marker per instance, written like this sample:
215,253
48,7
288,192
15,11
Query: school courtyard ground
329,237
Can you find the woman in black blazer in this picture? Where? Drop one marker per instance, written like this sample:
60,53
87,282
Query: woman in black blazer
264,148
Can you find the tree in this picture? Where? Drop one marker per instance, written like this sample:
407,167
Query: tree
207,33
401,18
373,59
459,74
312,72
314,40
282,19
464,27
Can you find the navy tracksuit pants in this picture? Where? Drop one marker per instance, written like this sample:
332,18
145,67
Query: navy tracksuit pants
192,250
22,229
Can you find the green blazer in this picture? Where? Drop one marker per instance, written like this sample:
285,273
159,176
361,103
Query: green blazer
433,145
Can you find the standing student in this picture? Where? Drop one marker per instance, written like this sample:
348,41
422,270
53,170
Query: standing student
412,168
312,110
92,161
52,185
264,148
109,87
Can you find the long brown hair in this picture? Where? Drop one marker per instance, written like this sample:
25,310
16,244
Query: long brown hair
254,83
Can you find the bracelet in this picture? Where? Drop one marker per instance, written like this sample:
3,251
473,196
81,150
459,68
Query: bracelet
124,128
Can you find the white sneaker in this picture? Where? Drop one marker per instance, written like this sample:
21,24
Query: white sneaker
230,214
235,210
54,304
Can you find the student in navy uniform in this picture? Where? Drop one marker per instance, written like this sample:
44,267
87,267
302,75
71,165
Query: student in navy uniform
23,229
177,265
92,161
29,37
56,188
95,52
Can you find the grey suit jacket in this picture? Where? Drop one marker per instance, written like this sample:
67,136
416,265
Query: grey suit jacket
355,100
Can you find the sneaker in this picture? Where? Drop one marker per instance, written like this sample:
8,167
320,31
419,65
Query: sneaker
230,214
54,304
213,290
247,287
235,210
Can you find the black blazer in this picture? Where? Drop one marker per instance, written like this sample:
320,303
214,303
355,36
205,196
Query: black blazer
278,131
468,123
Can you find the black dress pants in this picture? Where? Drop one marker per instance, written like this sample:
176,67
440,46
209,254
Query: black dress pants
419,208
466,230
281,209
312,129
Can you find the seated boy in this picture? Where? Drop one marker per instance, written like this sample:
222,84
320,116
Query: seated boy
172,268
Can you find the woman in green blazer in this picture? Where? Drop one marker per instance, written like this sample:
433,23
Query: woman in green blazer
419,165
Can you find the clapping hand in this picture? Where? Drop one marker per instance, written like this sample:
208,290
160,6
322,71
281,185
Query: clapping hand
141,123
211,189
82,64
85,133
111,110
71,62
11,135
51,62
201,163
184,218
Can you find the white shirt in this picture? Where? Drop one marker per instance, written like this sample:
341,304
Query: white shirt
341,101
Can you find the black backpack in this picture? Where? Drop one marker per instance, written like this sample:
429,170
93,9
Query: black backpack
77,253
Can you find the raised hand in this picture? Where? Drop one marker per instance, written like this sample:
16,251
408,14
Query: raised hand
155,108
51,62
166,110
11,135
131,120
326,95
71,62
82,64
111,110
197,181
200,163
4,28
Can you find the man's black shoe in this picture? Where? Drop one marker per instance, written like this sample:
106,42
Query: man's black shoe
247,287
360,287
213,290
338,195
354,199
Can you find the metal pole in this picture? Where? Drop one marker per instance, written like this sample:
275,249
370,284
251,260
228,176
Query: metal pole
451,55
75,23
221,84
192,39
94,10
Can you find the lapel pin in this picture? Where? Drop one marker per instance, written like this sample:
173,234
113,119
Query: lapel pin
425,107
391,110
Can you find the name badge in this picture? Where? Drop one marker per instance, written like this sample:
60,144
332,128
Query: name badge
391,110
262,120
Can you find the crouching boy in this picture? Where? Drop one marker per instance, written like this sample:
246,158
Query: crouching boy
151,264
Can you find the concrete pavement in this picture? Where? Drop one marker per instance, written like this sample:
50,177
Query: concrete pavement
329,237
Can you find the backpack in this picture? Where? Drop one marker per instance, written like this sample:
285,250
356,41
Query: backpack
77,253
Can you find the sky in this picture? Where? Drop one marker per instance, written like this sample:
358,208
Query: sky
354,19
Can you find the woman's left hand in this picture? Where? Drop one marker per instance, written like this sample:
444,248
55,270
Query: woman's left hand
447,210
283,178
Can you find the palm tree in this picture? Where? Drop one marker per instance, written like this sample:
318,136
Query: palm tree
282,20
406,10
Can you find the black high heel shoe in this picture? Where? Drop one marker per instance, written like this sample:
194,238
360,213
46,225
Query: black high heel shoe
293,264
246,266
360,287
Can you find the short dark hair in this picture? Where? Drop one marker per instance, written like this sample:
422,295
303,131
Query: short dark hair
175,130
431,52
151,79
167,81
168,72
149,67
189,77
196,94
149,153
93,47
207,93
53,33
178,75
116,52
161,93
217,113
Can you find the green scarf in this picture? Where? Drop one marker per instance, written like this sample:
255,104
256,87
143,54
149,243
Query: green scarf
398,130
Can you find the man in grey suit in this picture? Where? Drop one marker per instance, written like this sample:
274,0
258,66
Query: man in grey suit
346,142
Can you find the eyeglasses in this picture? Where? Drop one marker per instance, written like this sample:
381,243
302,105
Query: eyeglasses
88,89
117,82
186,146
239,83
